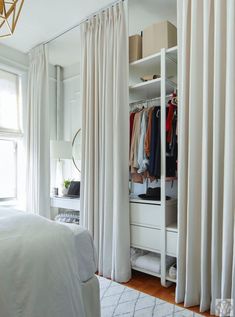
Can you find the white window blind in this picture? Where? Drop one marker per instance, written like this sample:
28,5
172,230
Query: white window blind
8,173
9,103
10,133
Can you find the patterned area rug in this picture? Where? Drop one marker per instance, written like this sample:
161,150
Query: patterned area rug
119,300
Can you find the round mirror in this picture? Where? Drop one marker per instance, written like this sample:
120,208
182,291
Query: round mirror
77,150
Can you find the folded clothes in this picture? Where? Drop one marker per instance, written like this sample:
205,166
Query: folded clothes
149,261
135,253
173,271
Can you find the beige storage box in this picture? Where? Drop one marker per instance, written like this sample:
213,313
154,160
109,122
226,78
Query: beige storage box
157,36
135,48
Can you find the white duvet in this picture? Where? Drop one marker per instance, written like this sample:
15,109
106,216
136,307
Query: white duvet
38,268
85,250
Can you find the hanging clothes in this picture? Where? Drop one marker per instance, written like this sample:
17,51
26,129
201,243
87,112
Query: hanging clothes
142,159
134,149
145,142
132,116
171,140
155,142
135,141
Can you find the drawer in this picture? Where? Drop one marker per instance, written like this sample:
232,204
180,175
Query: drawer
146,215
146,238
171,243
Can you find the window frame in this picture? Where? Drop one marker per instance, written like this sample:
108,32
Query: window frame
12,132
14,135
14,141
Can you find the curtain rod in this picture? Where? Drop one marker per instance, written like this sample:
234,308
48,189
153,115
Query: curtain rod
82,21
147,100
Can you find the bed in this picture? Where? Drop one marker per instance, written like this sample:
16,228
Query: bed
46,268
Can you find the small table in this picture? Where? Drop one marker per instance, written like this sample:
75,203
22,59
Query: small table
65,202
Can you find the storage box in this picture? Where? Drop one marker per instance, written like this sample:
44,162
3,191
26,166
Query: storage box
157,36
135,48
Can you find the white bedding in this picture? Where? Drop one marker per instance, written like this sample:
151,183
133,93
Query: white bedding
86,255
39,267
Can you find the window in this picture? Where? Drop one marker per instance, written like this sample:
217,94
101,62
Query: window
8,181
9,102
10,133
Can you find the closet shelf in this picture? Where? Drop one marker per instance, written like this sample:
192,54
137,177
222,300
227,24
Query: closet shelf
167,179
172,53
151,89
168,278
136,199
136,268
172,227
153,62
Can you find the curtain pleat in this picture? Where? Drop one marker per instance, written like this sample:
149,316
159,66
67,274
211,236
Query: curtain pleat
206,34
229,156
104,195
218,147
38,135
184,8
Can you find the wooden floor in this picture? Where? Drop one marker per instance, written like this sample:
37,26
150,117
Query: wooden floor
151,285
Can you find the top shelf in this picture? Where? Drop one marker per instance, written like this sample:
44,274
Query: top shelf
154,61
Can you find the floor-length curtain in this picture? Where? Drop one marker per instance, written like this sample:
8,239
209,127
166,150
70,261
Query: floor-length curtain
38,135
104,179
206,32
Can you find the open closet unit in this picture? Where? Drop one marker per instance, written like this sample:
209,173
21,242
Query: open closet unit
154,230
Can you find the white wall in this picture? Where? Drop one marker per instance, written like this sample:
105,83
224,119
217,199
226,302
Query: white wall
144,13
52,101
13,58
53,115
72,112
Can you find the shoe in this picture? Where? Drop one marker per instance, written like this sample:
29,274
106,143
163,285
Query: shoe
173,271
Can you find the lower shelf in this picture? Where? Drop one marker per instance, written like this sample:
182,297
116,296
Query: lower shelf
168,278
146,271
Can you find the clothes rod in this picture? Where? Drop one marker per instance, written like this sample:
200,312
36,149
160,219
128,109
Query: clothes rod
147,100
82,21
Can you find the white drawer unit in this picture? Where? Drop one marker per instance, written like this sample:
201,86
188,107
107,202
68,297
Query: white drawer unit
146,238
146,215
171,243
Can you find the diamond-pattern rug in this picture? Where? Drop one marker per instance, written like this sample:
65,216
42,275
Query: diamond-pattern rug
120,300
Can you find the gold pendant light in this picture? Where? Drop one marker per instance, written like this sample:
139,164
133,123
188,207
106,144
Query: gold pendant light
9,15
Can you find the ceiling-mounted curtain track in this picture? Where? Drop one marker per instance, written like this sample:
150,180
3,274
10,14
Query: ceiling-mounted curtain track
84,20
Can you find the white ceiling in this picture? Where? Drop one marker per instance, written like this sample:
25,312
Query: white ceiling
42,20
65,50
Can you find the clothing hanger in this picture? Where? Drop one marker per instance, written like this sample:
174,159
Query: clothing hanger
157,114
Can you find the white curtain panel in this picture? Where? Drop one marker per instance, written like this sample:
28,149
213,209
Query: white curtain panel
206,265
105,135
38,134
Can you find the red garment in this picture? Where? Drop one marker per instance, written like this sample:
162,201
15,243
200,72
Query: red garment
170,116
169,121
132,116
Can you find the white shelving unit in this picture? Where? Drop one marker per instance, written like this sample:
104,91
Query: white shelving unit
151,89
154,223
